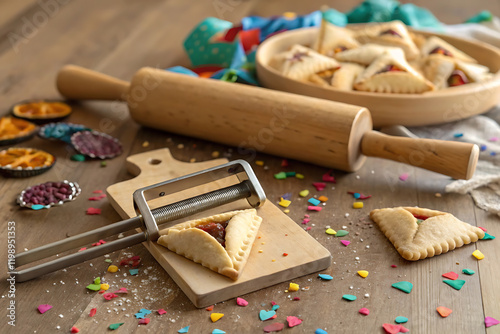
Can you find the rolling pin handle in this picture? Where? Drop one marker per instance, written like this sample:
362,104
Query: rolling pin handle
455,159
78,83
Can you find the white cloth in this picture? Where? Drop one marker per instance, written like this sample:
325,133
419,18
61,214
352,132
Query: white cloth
482,130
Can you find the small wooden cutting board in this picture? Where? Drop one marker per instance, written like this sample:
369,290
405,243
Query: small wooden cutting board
266,265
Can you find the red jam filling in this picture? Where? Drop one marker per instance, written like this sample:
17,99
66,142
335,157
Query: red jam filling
421,217
441,51
298,56
457,78
390,32
390,68
216,230
339,48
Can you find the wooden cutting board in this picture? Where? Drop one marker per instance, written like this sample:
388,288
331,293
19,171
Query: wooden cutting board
266,265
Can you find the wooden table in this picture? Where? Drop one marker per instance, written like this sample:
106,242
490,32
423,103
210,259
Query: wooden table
118,38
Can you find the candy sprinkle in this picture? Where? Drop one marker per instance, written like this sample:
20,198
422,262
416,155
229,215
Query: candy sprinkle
276,327
314,208
330,231
259,163
401,320
404,176
93,211
314,201
74,330
468,271
363,273
241,302
364,311
345,242
323,198
403,286
144,321
349,297
394,329
487,236
455,284
266,315
92,312
489,321
443,311
328,177
133,271
325,277
218,331
357,205
161,311
115,326
284,203
293,287
183,330
216,316
280,176
112,268
319,185
478,255
320,331
293,321
451,275
341,233
299,176
304,193
42,308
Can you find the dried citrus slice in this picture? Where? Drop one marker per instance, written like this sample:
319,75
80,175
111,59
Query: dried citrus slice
24,162
41,111
14,130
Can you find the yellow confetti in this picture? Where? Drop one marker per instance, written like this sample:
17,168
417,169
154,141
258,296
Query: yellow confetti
331,231
363,273
104,286
112,268
284,203
216,316
438,195
293,287
299,176
478,255
289,15
357,205
192,160
180,146
304,193
145,144
286,211
323,198
215,154
260,251
273,260
259,163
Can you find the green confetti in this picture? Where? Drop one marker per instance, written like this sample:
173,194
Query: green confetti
104,163
401,320
280,176
115,326
487,236
78,157
468,271
96,286
341,233
403,286
349,297
455,284
288,174
108,261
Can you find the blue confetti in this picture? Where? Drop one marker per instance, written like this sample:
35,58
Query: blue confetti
133,271
320,331
37,206
356,195
325,277
458,135
314,201
483,148
493,153
143,310
275,307
140,315
218,331
183,330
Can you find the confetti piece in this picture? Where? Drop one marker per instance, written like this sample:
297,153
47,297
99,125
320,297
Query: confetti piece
305,220
314,201
478,255
280,176
489,321
304,193
323,198
104,286
314,208
93,211
289,174
94,287
285,254
259,163
320,331
275,307
293,321
468,271
183,330
364,311
325,277
284,203
74,330
363,273
401,320
109,296
403,286
299,176
218,331
345,242
493,139
133,271
144,321
241,302
276,327
357,195
121,290
488,237
287,196
112,268
328,177
393,266
293,287
115,326
266,315
341,233
161,311
216,316
458,135
286,211
404,176
42,308
210,308
108,261
319,185
451,275
296,298
443,311
284,163
357,205
92,312
330,231
455,284
77,157
394,329
37,207
349,297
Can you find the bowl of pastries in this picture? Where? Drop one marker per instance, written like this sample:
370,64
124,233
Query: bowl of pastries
403,76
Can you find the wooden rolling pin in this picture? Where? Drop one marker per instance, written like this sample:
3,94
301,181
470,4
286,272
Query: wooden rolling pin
326,133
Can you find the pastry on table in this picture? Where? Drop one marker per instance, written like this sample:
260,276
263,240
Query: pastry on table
300,63
446,72
392,74
346,75
333,39
392,33
367,53
221,242
435,45
418,233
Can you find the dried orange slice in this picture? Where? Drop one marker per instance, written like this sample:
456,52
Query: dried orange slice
41,111
23,162
14,130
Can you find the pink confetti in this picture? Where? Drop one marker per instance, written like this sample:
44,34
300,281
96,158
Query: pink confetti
121,290
308,228
314,208
305,220
82,249
345,242
210,308
394,329
451,275
97,192
241,302
393,266
489,321
493,139
307,216
327,177
97,198
319,185
93,211
293,321
42,308
364,311
109,296
92,312
161,311
273,303
404,176
276,327
284,163
74,330
296,298
482,228
144,321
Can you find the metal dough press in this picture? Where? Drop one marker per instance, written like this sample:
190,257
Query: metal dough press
147,219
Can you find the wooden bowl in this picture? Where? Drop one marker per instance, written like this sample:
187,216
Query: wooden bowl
436,107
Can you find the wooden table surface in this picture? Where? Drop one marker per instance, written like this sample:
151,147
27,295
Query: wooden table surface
119,37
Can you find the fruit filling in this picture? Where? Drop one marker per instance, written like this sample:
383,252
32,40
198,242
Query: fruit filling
457,78
216,230
390,68
441,51
390,32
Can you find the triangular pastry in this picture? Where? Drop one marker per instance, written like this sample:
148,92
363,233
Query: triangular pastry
437,45
418,233
346,75
223,249
333,39
390,74
392,33
366,54
301,62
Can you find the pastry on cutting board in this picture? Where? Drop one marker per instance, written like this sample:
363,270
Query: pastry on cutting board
418,233
221,242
